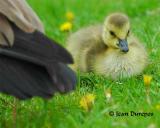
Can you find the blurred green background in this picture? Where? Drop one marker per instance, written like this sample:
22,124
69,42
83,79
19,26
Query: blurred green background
63,111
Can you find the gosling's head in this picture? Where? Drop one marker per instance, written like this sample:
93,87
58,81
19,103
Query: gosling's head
116,31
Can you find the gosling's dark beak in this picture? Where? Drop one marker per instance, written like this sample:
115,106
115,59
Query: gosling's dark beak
123,45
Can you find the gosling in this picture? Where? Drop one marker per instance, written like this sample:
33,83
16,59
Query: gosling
110,49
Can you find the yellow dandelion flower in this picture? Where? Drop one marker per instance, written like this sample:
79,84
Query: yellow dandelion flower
90,97
147,79
87,101
84,104
70,16
67,26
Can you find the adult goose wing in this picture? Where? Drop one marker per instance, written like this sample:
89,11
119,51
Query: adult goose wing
35,66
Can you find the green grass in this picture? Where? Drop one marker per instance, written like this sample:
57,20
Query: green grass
63,111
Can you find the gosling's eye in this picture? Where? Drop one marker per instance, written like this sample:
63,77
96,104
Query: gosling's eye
112,33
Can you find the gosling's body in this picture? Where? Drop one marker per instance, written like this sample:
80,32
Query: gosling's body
91,53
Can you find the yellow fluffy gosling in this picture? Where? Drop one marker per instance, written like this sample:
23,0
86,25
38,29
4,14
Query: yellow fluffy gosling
108,49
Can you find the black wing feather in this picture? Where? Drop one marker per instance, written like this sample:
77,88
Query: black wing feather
35,66
24,80
36,47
